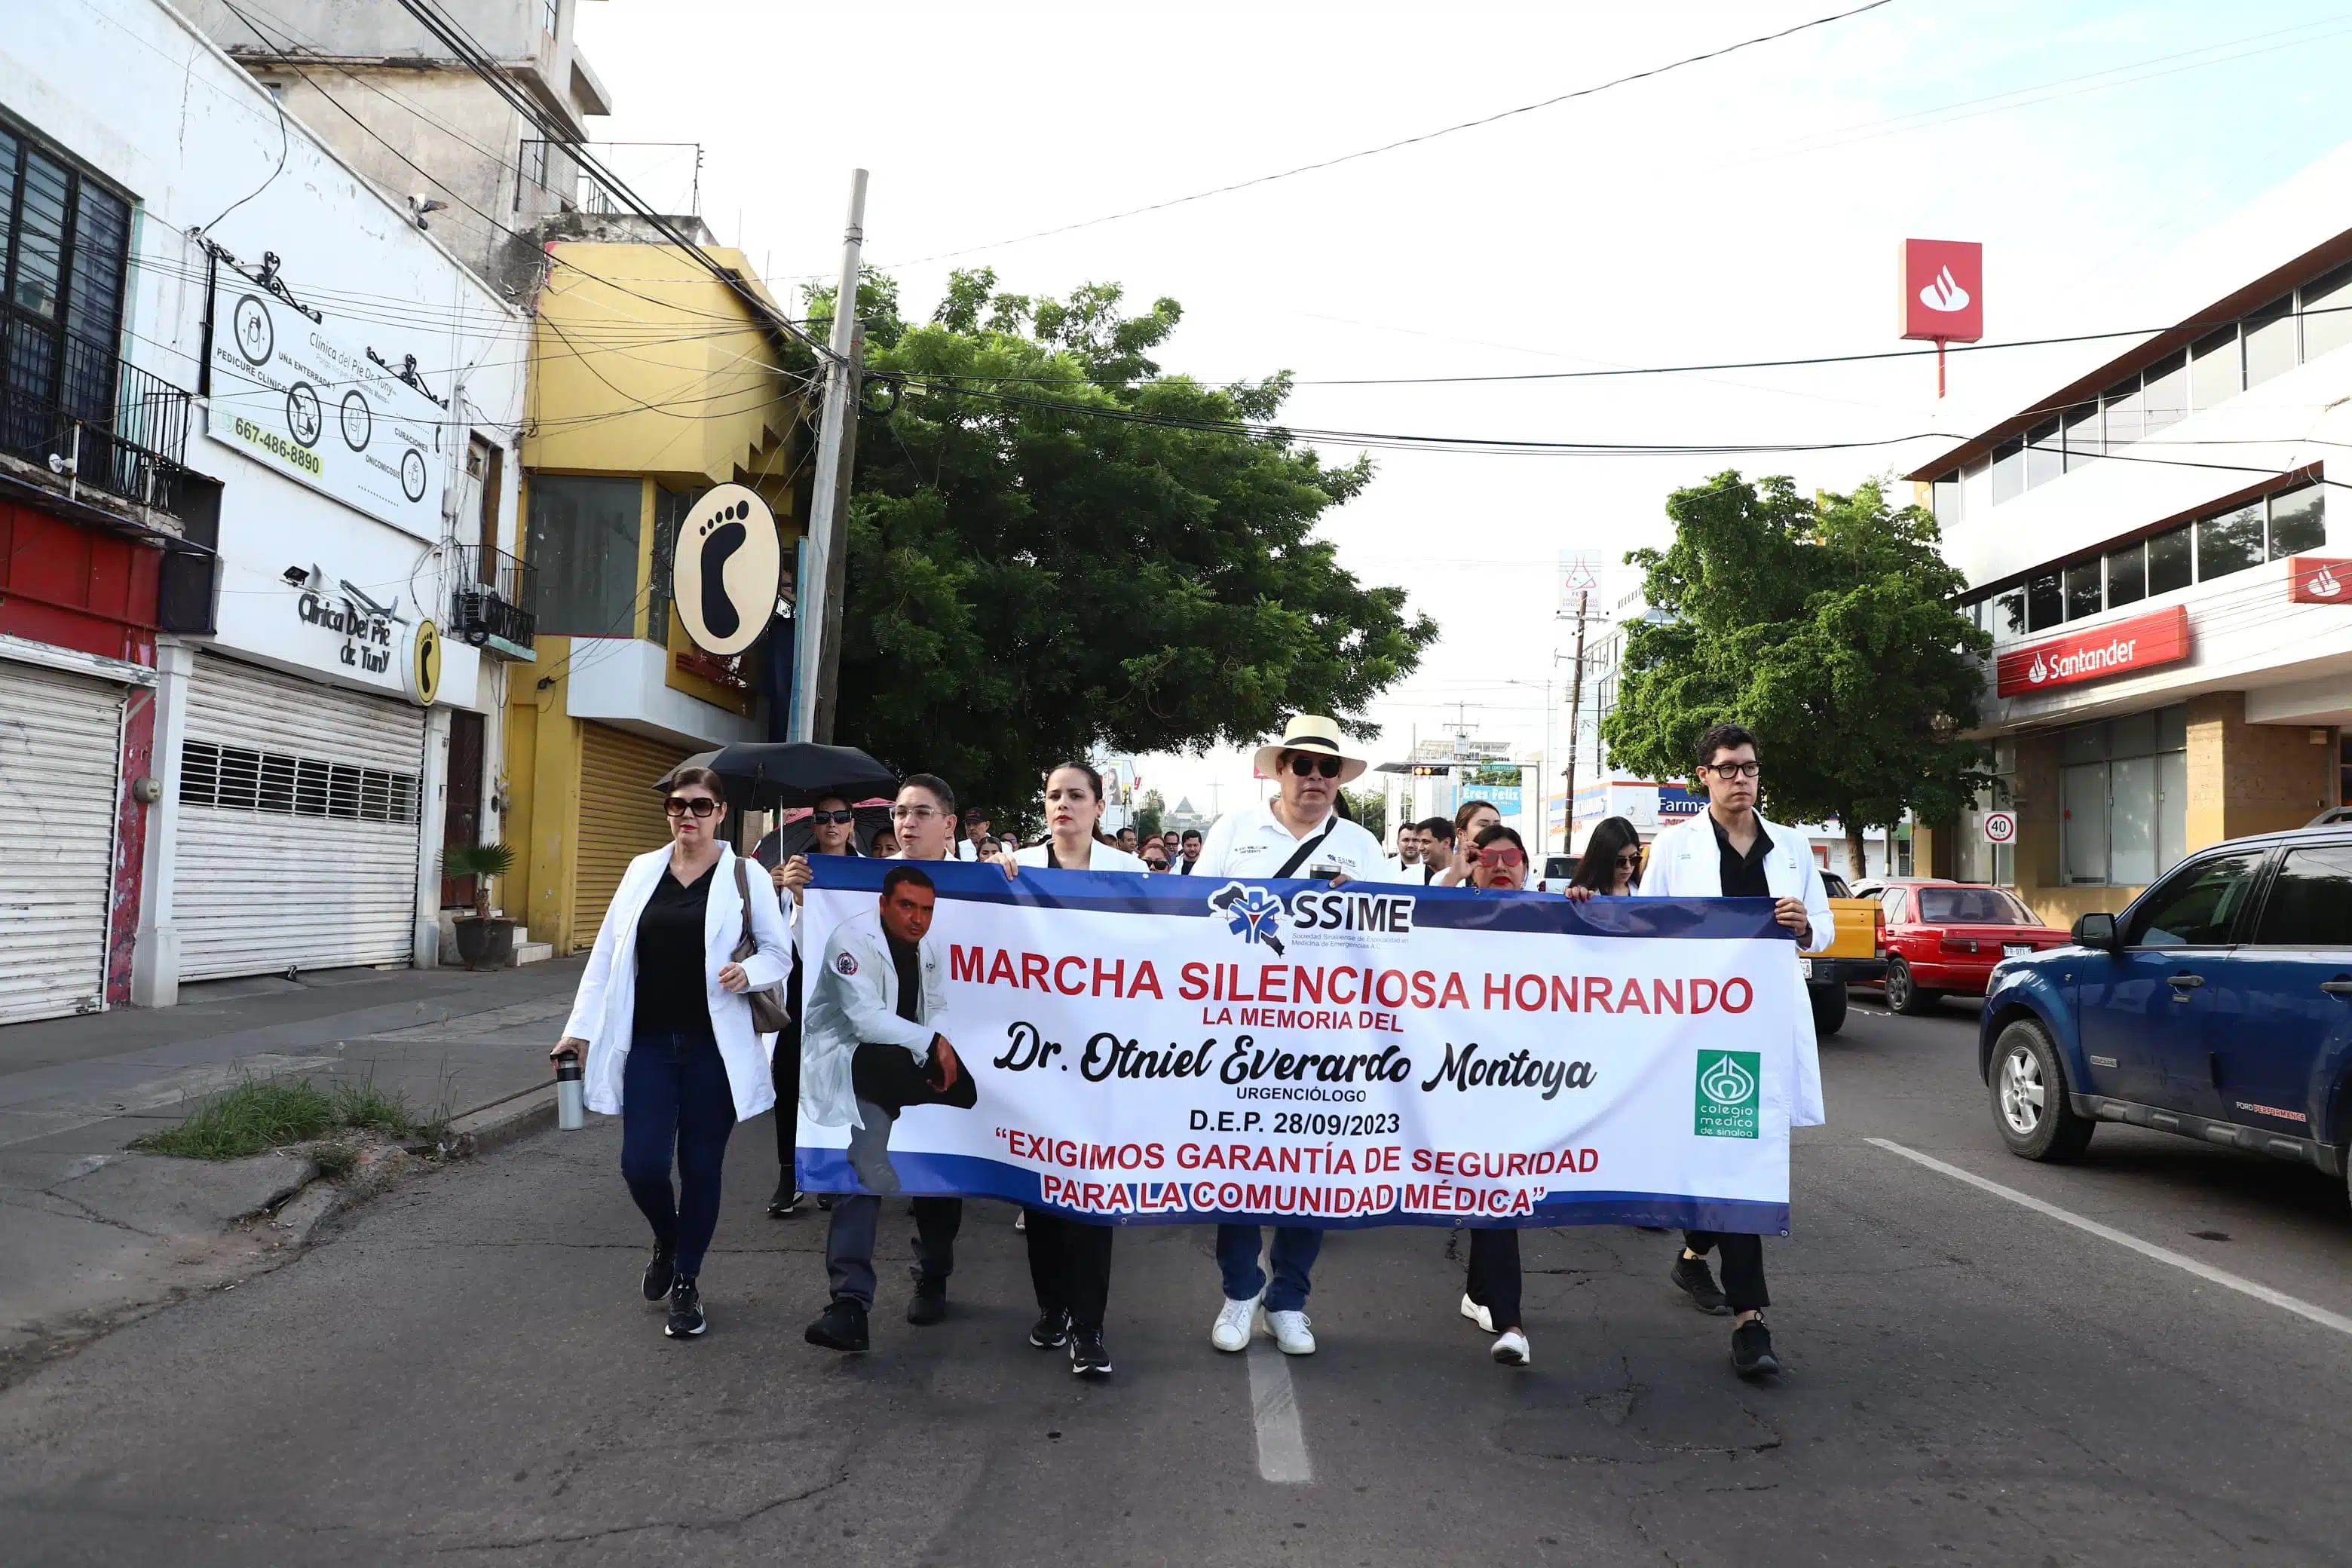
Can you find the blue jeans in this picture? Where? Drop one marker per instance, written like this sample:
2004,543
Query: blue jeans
675,1097
1295,1246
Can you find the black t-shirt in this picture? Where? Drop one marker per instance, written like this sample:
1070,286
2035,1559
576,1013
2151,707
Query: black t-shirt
673,997
907,960
1743,875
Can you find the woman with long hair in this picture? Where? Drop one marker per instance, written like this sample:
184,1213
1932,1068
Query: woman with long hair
1613,859
1498,864
663,1028
1471,819
1069,1260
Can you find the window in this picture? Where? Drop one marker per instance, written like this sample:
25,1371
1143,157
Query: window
2126,576
2045,602
2084,442
1945,499
669,515
2083,597
2327,314
2125,407
2167,384
2310,902
2122,787
2270,342
2008,471
2199,907
1976,486
2229,542
2216,372
2169,561
1891,901
552,17
584,541
2009,616
64,241
2045,455
2298,523
1972,906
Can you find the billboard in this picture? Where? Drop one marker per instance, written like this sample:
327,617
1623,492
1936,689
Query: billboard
1942,290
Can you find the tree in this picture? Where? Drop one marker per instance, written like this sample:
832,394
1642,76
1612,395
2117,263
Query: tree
1055,550
1367,809
1149,815
1829,628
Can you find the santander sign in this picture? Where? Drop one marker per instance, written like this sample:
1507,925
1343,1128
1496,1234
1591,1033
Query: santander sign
2122,648
2317,580
1942,290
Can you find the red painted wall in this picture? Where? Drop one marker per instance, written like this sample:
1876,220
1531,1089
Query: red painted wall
75,587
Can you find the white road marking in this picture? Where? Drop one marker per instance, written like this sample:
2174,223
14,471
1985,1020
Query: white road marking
1281,1445
2206,1272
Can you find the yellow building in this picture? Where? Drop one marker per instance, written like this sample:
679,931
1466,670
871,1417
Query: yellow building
651,381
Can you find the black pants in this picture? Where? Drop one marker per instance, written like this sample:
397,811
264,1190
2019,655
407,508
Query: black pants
785,1071
892,1079
849,1242
1494,1275
1069,1265
1743,1264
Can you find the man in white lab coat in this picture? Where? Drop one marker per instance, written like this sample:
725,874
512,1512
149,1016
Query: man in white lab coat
1729,850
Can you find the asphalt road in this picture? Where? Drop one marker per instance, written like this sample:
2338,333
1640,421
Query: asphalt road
467,1376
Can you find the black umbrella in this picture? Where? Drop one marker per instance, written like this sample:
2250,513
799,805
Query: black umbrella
766,775
793,837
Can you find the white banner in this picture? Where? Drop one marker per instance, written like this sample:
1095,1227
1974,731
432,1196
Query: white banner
1155,1048
304,397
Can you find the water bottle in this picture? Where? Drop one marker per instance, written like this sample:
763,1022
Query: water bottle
570,1094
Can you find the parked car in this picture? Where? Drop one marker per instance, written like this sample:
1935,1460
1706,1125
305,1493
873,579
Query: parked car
2218,1005
1559,870
1856,957
1943,937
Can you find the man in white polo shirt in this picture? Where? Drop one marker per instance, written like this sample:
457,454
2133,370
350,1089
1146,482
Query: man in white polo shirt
1297,834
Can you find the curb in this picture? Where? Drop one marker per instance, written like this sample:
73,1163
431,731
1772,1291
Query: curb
494,1126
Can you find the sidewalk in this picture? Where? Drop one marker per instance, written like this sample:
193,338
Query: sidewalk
88,1236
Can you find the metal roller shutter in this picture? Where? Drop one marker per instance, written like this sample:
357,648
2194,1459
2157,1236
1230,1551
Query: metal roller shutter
298,808
60,762
620,818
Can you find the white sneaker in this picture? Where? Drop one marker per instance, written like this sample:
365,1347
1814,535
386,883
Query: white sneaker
1232,1330
1292,1331
1511,1349
1478,1315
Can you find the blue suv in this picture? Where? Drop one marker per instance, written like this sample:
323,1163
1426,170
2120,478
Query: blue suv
2218,1005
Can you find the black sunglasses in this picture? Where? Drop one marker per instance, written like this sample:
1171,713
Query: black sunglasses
832,817
700,804
1302,764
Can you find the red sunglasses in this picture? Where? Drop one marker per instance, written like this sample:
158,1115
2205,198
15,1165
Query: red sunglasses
1500,855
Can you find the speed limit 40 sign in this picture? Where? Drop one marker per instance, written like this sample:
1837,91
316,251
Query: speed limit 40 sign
2001,827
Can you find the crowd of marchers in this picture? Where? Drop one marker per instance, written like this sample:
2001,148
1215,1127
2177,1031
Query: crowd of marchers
665,1026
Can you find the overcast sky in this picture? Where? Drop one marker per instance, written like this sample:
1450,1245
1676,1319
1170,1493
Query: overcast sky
1749,207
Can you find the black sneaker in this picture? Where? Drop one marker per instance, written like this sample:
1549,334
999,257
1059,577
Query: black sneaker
787,1200
686,1314
1698,1281
1051,1328
1088,1357
824,1202
1751,1350
842,1328
660,1273
929,1303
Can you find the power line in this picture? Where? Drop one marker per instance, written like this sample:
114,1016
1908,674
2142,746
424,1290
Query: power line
1403,141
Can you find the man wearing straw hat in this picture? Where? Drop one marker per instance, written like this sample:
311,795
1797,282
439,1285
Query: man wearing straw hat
1297,834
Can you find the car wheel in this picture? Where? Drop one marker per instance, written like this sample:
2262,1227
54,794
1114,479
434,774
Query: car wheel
1829,1007
2029,1097
1905,994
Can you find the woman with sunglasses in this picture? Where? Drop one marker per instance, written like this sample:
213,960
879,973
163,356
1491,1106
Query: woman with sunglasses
832,831
1069,1260
1498,864
1611,863
1471,819
664,1029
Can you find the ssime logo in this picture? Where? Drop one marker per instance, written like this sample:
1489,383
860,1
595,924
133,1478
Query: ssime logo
1252,914
2144,642
1335,916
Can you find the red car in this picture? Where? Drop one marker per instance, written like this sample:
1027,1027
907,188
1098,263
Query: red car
1947,936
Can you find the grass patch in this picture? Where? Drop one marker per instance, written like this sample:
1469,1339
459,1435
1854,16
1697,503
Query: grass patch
335,1160
255,1116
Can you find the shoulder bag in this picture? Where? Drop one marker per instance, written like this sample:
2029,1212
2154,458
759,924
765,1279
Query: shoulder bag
768,1014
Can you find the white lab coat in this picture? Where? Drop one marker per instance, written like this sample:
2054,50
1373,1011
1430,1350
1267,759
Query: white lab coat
1685,862
852,999
1100,857
604,1010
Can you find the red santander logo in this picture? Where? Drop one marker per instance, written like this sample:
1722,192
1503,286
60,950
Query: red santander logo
2312,580
1943,289
2124,647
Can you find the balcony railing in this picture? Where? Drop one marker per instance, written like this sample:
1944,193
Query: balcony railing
68,404
668,174
489,607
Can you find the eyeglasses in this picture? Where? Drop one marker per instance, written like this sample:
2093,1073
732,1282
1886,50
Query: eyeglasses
843,817
1304,764
914,813
679,805
1632,862
1500,856
1735,769
1150,864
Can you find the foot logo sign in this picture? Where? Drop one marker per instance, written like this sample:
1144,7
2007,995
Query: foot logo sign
726,565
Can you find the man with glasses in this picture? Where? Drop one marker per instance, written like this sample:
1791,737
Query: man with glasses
1731,851
1295,834
925,820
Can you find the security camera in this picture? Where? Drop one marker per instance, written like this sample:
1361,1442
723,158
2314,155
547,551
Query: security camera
296,576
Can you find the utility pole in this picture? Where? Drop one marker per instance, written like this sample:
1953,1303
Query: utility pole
817,623
1575,709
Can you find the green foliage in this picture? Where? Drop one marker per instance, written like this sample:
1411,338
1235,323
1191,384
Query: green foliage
1146,821
1027,581
1827,626
1369,809
255,1116
479,861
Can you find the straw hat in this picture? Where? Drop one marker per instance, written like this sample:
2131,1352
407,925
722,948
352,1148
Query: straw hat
1317,734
